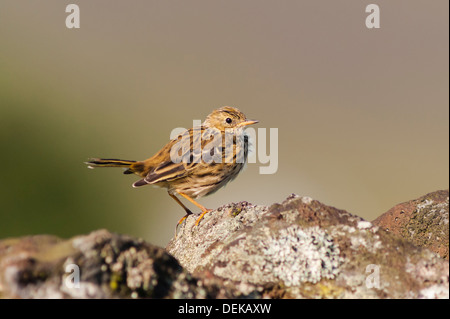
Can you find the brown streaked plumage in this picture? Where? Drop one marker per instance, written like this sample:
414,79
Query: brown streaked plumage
193,165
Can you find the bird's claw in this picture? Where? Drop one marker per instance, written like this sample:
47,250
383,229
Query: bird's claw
201,216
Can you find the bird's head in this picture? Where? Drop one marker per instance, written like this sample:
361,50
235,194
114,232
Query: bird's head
227,117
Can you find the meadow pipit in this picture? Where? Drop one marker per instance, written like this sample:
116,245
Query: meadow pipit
198,162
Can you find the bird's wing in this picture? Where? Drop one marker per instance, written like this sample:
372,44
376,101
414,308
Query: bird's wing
167,169
187,151
165,172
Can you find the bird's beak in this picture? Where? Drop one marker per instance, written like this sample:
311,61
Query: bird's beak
248,122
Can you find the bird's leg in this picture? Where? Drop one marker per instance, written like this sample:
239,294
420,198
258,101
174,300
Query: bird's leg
203,208
188,212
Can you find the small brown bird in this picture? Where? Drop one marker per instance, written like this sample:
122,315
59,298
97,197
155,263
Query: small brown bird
198,162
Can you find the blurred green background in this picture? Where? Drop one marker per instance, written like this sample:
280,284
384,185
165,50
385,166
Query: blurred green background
363,115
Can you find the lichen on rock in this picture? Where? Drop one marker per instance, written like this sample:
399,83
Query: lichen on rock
423,221
299,248
302,248
299,255
110,266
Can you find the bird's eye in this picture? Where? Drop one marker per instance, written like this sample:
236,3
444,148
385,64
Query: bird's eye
228,120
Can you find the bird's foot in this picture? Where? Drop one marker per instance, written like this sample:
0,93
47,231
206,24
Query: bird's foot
201,216
181,222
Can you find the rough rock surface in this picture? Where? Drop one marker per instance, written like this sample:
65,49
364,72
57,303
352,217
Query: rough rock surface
423,221
300,248
110,266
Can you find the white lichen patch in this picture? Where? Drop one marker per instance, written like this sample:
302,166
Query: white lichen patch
222,227
299,255
424,204
365,240
363,224
434,292
434,208
442,208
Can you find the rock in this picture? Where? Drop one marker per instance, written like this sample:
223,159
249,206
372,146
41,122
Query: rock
423,221
110,266
302,248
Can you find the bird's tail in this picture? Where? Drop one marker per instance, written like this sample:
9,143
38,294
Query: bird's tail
132,166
